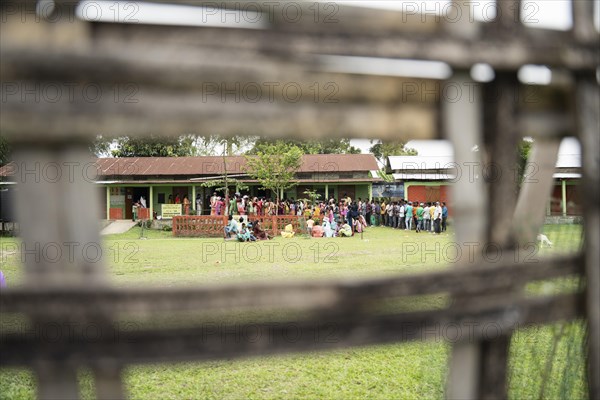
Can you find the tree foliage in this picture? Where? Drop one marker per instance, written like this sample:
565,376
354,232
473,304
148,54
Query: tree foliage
186,145
312,196
383,149
155,146
323,146
5,151
523,150
274,165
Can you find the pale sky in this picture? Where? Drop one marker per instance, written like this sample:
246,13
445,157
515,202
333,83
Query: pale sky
553,14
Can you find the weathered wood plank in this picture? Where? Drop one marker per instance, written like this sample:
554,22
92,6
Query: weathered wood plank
459,53
462,125
536,189
583,22
210,73
587,100
172,113
56,381
108,381
65,220
349,294
51,231
215,340
501,139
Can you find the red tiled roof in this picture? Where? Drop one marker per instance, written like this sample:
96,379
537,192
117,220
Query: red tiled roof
211,165
214,165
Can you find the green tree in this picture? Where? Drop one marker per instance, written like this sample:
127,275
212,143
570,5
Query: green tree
383,149
523,150
274,165
322,146
186,145
313,196
154,146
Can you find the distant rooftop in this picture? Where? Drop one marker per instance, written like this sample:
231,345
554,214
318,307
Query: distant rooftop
213,165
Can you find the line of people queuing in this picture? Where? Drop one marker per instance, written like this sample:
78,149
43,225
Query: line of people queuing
408,215
357,214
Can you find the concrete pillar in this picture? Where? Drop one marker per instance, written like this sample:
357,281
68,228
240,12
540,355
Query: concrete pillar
193,199
564,198
108,202
150,201
326,192
370,191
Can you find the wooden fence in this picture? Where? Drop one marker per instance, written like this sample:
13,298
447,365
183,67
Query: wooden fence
213,225
162,73
198,226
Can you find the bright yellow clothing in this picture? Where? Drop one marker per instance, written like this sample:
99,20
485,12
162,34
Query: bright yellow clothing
288,232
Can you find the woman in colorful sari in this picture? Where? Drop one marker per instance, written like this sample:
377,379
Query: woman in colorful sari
317,231
186,205
250,207
360,224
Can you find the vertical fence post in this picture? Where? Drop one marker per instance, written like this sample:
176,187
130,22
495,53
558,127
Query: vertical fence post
461,124
462,127
587,96
59,209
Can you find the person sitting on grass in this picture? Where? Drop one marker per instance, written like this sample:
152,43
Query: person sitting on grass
251,237
231,228
244,234
334,227
259,232
327,231
309,225
288,232
317,231
345,230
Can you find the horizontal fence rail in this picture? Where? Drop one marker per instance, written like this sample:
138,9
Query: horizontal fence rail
340,315
219,340
312,295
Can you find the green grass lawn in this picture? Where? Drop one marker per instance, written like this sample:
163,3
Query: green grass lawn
545,362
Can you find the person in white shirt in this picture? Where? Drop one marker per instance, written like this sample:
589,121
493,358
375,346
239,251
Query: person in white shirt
198,204
426,218
437,217
401,223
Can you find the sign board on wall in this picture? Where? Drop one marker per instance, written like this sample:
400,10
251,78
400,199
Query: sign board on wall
170,210
117,200
388,190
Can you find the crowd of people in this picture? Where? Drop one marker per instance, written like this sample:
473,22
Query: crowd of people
343,217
